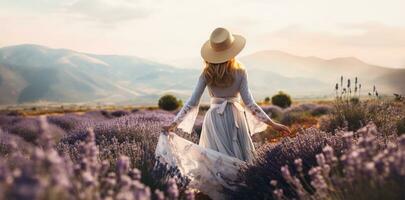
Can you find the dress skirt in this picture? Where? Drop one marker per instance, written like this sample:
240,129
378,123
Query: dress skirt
225,146
227,132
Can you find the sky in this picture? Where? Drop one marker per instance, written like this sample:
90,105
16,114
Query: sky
172,31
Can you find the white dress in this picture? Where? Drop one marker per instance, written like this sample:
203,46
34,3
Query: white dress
225,143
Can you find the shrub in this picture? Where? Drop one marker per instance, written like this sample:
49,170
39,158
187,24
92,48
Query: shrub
347,115
168,102
281,99
266,100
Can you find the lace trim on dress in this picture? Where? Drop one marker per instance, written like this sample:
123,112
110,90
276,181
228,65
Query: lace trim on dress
258,113
182,114
185,119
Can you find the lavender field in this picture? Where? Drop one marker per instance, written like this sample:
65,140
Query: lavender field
87,88
342,150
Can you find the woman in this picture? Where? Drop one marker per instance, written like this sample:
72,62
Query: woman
227,126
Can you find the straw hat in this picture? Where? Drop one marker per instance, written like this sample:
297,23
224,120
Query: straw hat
222,46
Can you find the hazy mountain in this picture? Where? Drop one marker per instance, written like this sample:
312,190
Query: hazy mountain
394,80
328,71
31,73
11,85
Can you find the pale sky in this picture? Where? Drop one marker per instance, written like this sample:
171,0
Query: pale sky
172,31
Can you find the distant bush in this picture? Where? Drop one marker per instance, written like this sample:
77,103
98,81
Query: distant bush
181,103
119,113
267,100
169,102
281,99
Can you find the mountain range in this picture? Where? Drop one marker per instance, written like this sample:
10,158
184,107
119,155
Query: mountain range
33,73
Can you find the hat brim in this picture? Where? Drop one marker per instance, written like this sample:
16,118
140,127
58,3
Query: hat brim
212,56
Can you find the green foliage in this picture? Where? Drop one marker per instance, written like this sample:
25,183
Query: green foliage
181,103
267,100
281,99
169,102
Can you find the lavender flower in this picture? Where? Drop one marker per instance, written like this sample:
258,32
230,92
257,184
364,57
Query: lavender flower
298,165
172,191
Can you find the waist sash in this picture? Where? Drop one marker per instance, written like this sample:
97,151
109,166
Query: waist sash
221,103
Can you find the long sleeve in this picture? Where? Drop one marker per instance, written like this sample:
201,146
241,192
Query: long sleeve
190,108
250,102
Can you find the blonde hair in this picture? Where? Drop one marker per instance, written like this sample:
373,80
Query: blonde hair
221,74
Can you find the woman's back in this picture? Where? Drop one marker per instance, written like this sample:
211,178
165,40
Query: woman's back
238,86
230,91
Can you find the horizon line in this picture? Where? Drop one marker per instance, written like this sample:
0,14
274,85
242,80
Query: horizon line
166,63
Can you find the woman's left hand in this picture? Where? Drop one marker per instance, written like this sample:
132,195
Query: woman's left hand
166,129
281,128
